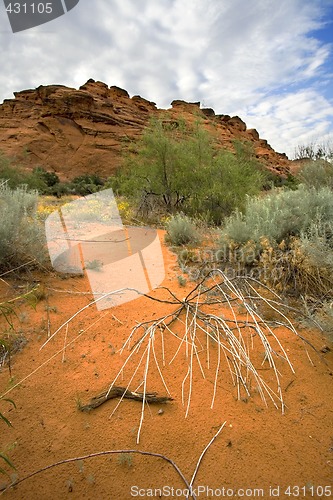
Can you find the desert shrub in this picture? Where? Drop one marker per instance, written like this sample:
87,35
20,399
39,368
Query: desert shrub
181,230
285,239
313,259
274,180
299,269
60,189
316,174
278,216
21,235
86,184
13,174
317,242
42,180
181,280
50,178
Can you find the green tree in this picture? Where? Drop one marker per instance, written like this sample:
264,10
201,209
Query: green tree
231,178
49,178
166,164
177,166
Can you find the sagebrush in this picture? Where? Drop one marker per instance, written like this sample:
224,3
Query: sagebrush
278,216
181,231
21,234
316,174
285,239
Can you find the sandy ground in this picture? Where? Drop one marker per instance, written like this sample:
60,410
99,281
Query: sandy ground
260,452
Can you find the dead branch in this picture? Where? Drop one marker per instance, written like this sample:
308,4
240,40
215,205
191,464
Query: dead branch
188,485
116,392
100,454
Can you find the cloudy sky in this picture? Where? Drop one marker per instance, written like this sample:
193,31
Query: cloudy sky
268,61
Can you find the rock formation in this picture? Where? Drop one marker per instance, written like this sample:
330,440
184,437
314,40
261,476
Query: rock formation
74,132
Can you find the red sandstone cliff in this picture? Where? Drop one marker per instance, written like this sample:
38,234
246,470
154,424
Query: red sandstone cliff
73,132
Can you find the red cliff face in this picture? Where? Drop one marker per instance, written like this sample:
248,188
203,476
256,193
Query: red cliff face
73,132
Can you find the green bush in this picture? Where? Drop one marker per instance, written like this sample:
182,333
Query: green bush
42,180
286,240
279,215
274,180
21,235
316,174
86,184
13,175
39,179
60,189
181,231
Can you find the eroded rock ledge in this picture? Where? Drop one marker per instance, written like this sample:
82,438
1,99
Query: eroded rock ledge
74,132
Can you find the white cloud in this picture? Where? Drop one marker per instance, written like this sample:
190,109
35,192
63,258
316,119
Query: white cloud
299,117
258,59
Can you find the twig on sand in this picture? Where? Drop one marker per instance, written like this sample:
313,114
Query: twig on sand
203,453
123,392
100,454
189,485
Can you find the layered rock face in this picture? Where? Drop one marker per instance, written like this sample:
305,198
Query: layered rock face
75,132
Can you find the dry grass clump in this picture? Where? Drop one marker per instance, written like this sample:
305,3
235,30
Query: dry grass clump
12,340
295,270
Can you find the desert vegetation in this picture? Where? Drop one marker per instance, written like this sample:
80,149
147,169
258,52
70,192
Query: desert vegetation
177,167
285,238
3,457
314,150
21,234
46,182
271,248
